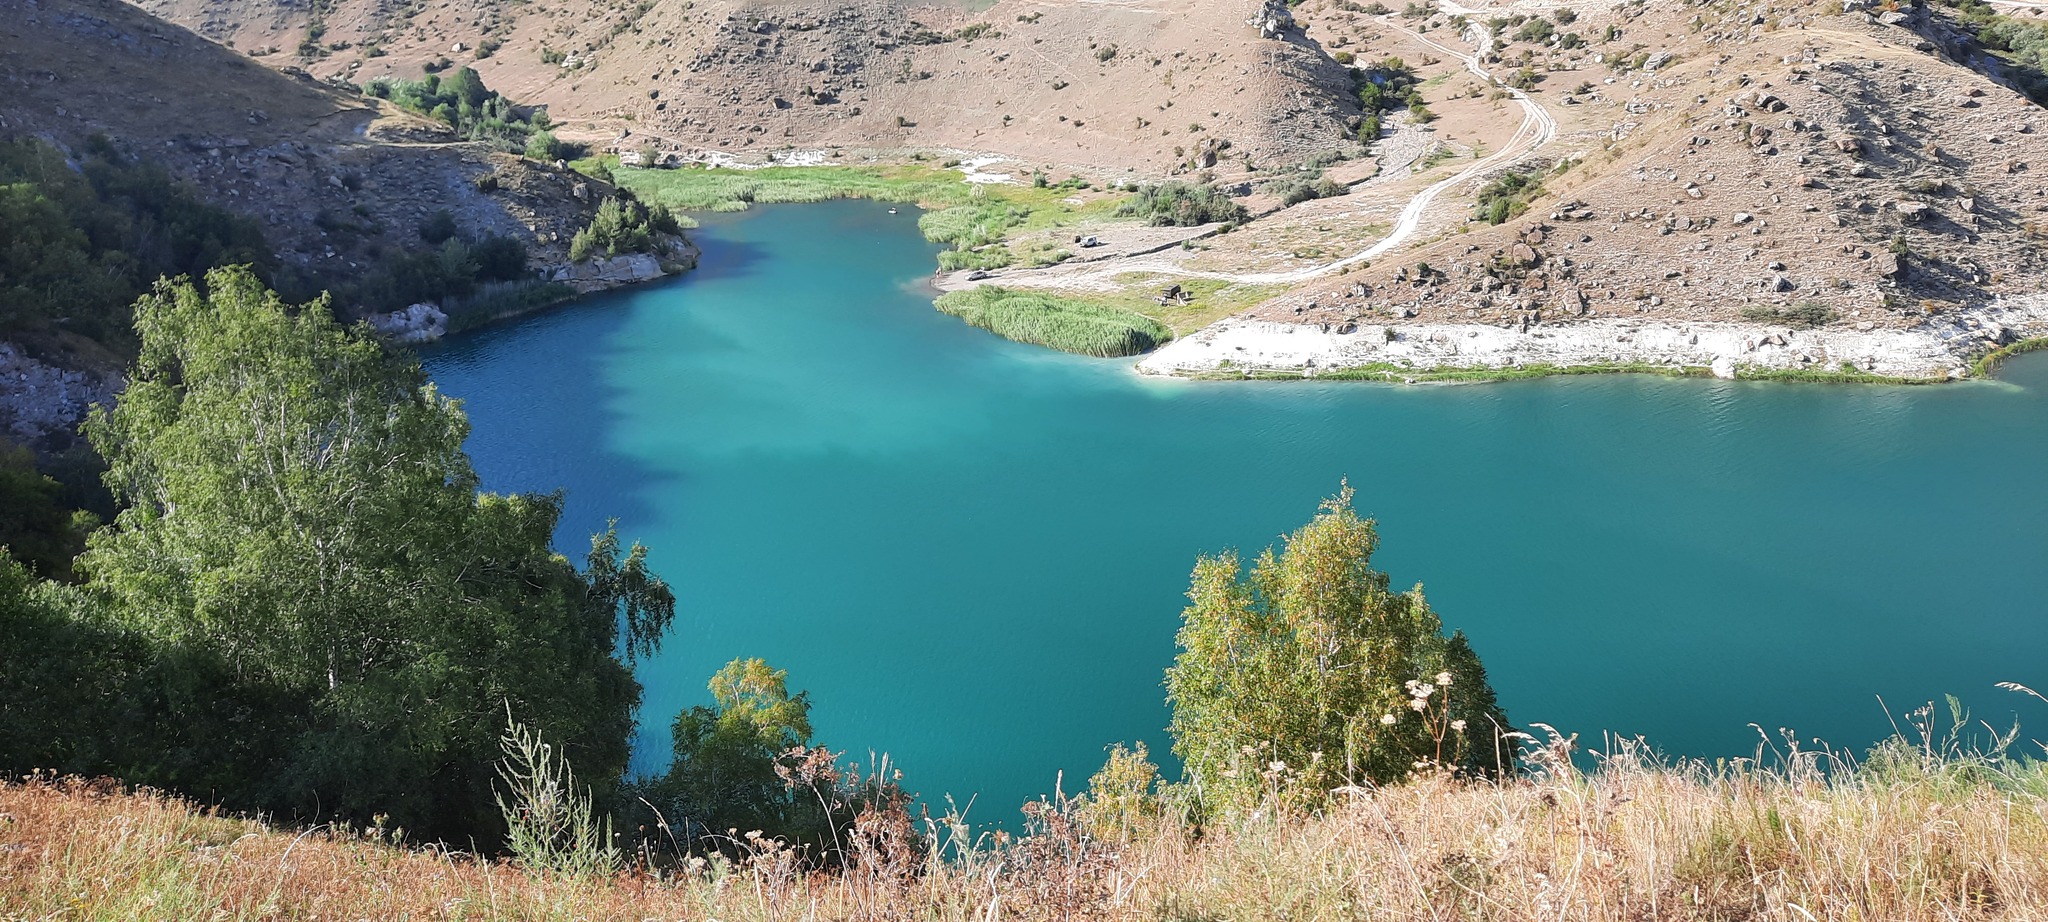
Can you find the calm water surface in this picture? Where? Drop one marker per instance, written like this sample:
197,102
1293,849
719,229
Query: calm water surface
972,552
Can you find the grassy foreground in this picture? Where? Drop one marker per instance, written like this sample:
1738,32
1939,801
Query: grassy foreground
1066,324
1910,834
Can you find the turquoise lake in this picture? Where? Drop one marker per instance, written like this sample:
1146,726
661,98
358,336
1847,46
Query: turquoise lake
972,553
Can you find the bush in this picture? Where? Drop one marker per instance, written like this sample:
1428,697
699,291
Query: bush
1294,191
82,243
1310,673
476,112
1065,324
542,146
623,225
438,227
1535,30
1383,87
1508,196
1805,315
1179,204
453,270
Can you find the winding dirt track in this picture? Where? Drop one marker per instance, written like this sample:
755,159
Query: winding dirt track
1537,128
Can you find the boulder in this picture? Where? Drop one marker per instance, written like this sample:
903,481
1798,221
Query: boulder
624,269
419,323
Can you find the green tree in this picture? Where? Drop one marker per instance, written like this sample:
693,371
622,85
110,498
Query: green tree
1310,670
35,526
623,224
725,775
298,507
542,145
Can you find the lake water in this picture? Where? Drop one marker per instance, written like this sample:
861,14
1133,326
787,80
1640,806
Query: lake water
972,553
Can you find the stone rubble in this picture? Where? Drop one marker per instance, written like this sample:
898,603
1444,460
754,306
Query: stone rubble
1942,347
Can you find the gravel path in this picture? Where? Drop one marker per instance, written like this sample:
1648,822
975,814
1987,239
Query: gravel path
1403,148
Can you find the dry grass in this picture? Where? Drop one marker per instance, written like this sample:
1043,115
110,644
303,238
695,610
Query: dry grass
1917,835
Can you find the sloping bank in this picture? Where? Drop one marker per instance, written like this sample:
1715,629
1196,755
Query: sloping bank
1938,349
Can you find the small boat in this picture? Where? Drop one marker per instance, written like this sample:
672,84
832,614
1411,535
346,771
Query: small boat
892,211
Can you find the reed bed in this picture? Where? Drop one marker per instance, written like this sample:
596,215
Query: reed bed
1066,324
722,189
1911,833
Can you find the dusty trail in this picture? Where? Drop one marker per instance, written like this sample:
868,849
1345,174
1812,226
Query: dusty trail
1537,128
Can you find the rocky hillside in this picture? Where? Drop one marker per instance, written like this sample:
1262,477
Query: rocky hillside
338,184
1770,160
335,180
1106,86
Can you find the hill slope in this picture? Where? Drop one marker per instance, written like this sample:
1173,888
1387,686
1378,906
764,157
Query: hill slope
334,179
1109,85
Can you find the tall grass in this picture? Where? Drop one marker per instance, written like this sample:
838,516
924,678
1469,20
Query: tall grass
1065,324
1930,826
721,189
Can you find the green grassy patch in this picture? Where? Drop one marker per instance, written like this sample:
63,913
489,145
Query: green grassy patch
1213,299
1066,324
973,219
722,189
1990,361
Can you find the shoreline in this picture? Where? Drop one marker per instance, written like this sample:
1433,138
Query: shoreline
1953,347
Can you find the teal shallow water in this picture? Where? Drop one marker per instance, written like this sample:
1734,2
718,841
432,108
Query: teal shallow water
972,552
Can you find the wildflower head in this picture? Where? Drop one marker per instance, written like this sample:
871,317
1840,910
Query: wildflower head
1387,720
1458,725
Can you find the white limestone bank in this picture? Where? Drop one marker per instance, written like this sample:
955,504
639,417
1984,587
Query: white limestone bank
1939,347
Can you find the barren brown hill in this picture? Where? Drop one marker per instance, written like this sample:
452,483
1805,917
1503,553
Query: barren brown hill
1106,85
1813,160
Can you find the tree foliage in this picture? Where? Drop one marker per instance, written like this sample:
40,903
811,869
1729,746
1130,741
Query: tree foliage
36,527
82,242
301,521
476,112
1311,671
623,225
1382,87
725,774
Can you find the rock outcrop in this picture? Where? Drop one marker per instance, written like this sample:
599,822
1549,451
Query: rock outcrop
420,323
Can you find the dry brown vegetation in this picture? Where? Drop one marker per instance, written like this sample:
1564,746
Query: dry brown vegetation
1911,833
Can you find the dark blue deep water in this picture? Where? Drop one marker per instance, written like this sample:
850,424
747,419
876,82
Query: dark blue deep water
972,552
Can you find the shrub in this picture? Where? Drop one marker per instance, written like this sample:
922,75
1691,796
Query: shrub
1310,673
83,241
542,145
726,756
1296,190
1066,324
1381,88
438,227
623,225
1508,196
1535,30
476,112
1805,315
1179,204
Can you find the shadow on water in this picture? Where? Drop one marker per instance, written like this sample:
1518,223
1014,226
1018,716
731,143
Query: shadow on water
545,420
